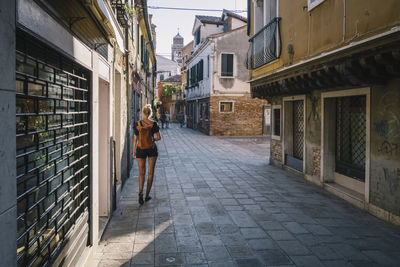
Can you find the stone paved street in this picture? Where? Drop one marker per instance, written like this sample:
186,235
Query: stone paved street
216,202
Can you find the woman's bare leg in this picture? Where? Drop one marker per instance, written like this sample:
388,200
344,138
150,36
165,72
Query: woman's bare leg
152,164
142,173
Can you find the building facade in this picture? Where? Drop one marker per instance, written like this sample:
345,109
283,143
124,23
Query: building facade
330,69
218,98
67,67
166,68
171,101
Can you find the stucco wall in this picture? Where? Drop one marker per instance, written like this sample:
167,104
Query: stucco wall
384,155
236,43
313,132
324,27
205,31
385,147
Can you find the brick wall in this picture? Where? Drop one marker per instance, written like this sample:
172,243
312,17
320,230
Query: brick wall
245,120
276,150
316,161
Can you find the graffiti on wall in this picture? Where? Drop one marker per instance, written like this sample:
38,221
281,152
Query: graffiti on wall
388,148
388,127
315,109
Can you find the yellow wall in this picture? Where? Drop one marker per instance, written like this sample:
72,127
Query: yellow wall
321,29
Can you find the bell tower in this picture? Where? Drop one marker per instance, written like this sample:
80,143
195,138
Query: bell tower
176,48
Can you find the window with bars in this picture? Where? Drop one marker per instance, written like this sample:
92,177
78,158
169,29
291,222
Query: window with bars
226,106
227,65
298,129
351,136
52,136
276,122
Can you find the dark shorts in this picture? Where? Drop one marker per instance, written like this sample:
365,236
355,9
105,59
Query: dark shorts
144,153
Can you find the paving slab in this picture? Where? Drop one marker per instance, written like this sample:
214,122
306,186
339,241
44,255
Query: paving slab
217,202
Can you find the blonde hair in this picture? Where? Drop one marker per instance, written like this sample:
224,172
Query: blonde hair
147,110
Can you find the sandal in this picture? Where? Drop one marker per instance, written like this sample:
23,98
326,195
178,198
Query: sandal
141,199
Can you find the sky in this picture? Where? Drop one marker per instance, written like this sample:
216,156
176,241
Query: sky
168,21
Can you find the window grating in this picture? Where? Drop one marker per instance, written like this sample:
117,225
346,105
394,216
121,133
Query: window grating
52,131
351,136
298,129
277,122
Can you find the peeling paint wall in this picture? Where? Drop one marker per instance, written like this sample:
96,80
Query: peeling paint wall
385,147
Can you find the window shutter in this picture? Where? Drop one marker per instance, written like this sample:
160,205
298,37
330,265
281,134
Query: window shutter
137,39
201,69
230,65
223,64
227,65
142,48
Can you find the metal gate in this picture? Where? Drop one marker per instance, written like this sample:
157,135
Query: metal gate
298,129
52,131
351,136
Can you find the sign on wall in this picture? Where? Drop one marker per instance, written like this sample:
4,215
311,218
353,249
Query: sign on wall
267,116
314,3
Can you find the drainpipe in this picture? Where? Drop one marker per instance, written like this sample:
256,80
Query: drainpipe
128,100
112,143
344,20
214,66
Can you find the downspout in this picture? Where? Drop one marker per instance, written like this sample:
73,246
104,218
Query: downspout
112,144
128,111
214,66
344,20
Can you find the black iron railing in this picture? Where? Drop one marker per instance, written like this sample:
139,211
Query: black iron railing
265,45
120,12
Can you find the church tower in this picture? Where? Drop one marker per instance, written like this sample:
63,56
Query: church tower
176,49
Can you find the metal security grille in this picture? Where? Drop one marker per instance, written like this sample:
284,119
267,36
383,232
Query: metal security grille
298,129
52,131
351,136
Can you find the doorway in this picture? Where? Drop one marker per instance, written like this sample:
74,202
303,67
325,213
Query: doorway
104,166
345,140
293,130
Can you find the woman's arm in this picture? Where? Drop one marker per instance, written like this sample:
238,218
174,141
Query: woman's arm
158,136
134,145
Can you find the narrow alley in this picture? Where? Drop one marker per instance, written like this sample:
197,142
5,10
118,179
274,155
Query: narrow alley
217,202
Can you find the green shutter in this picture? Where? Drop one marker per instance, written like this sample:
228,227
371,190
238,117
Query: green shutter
230,65
227,65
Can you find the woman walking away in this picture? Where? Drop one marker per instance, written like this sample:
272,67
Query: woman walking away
144,147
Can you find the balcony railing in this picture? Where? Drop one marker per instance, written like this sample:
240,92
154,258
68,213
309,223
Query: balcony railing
265,45
120,11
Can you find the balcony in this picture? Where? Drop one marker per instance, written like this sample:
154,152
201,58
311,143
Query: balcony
120,12
265,45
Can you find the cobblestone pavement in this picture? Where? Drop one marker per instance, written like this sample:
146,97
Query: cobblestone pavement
216,202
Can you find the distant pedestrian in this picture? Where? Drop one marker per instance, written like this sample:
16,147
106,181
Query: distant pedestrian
144,147
181,119
162,119
167,119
